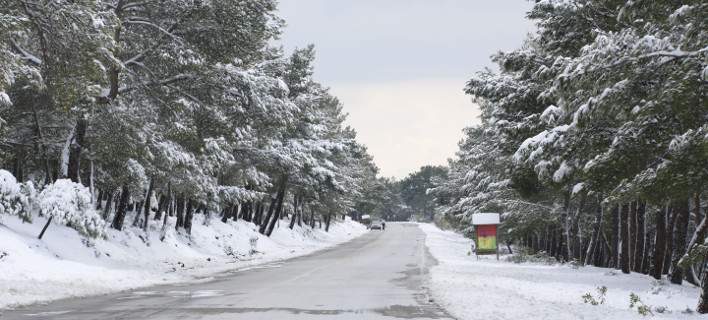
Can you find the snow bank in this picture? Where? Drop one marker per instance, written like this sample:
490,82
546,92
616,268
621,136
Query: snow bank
490,289
65,264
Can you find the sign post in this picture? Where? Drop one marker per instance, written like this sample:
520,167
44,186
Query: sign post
485,231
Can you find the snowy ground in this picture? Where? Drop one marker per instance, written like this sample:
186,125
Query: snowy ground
63,264
488,289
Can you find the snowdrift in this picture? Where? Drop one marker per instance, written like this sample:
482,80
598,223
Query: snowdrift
489,289
66,264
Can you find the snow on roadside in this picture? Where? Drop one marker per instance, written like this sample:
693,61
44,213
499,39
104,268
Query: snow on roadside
64,264
490,289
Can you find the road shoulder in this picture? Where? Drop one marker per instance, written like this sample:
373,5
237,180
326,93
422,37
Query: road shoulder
488,289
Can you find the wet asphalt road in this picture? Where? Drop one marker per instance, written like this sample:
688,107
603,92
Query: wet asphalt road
380,275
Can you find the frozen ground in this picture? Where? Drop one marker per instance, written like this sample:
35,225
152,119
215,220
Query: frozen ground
487,289
64,264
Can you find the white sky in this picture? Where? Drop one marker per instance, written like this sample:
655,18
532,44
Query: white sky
399,67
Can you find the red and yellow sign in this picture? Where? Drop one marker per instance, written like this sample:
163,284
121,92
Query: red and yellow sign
486,238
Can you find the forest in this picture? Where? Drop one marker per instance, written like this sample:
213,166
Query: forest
593,142
116,113
131,114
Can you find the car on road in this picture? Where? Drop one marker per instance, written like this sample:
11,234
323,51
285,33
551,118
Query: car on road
377,225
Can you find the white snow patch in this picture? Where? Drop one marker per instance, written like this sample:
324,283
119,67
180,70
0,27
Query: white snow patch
64,264
563,171
489,289
485,218
4,99
578,187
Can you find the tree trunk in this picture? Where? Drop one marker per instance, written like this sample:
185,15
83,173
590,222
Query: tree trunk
600,251
258,213
546,240
624,234
576,235
632,236
703,301
595,234
136,208
279,208
261,211
206,212
109,203
659,243
146,210
295,213
161,206
77,143
559,238
99,203
44,229
225,213
639,237
228,213
697,216
247,215
565,221
699,236
266,220
649,235
679,240
614,226
608,250
180,213
121,209
169,204
670,239
188,217
328,220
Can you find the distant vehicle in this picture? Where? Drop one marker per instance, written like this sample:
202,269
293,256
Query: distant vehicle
377,225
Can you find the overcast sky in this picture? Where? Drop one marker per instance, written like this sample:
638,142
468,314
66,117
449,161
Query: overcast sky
399,67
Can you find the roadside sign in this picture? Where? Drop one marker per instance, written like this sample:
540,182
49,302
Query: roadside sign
486,238
485,230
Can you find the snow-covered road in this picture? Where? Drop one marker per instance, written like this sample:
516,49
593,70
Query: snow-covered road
379,275
486,289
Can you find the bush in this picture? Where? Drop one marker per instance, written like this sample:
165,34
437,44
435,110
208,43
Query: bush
524,255
593,300
636,302
16,198
69,203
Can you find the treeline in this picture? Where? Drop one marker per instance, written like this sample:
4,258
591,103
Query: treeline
168,108
405,199
594,139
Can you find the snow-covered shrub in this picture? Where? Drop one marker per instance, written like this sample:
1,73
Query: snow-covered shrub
524,255
69,203
636,302
596,300
15,197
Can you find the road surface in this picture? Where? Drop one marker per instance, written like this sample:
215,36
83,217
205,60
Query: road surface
380,275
